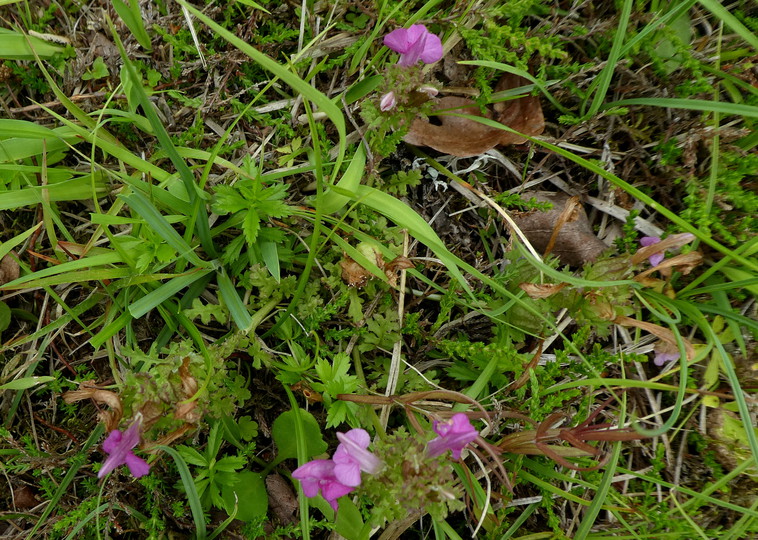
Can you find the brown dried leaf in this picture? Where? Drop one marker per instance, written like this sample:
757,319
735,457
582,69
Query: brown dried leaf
9,269
675,241
664,334
24,497
186,410
395,266
464,138
545,290
574,243
110,399
684,262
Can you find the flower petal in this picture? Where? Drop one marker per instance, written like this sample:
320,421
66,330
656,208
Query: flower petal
137,466
112,441
432,49
348,474
656,258
352,449
646,241
333,491
397,40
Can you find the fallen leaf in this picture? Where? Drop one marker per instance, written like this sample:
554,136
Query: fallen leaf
281,499
9,269
573,240
463,137
24,497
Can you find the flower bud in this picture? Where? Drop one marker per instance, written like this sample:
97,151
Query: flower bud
388,102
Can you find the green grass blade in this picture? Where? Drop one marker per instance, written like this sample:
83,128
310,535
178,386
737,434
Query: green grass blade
197,197
132,17
736,109
76,463
521,73
7,246
76,189
188,482
237,309
309,92
334,201
603,81
718,10
155,220
164,292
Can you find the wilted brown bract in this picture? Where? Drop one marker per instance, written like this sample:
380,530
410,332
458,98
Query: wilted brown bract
574,242
463,137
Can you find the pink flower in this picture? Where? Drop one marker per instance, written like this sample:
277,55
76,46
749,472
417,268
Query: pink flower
414,44
388,102
664,357
119,447
453,435
352,457
656,258
318,475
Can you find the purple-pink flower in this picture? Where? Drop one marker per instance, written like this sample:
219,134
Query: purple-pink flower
387,102
318,475
453,435
656,258
119,447
664,353
414,44
342,474
352,457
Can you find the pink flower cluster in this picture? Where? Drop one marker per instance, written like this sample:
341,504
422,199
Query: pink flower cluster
341,474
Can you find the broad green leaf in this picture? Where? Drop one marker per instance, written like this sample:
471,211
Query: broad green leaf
349,522
248,495
284,427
